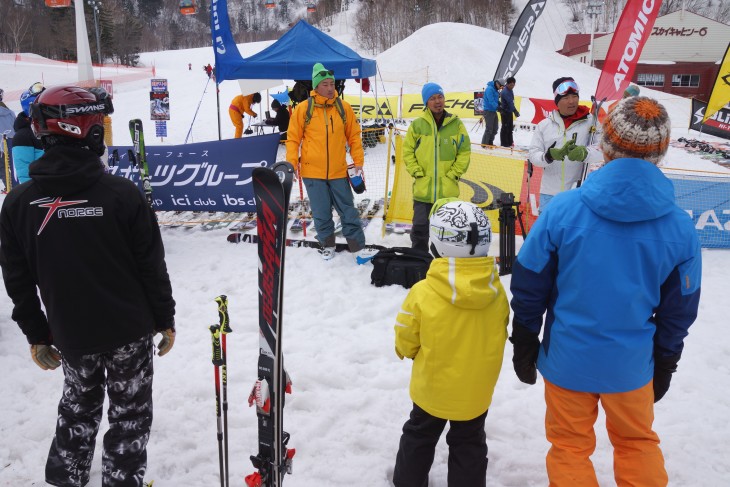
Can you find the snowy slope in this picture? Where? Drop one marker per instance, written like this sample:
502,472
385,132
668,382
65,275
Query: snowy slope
350,390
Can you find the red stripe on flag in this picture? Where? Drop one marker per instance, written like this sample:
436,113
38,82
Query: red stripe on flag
633,29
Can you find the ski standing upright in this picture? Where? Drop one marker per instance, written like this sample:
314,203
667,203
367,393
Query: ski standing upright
272,188
138,157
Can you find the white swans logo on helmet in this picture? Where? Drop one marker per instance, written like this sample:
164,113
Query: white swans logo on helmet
84,109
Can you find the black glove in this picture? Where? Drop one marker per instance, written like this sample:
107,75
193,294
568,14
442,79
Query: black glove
517,114
526,346
664,367
548,157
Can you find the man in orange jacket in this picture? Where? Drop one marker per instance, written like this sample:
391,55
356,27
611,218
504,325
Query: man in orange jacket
321,137
240,105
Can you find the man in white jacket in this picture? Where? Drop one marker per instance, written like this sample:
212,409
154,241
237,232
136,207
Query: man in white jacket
561,142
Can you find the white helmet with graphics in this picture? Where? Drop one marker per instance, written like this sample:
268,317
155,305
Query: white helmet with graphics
458,229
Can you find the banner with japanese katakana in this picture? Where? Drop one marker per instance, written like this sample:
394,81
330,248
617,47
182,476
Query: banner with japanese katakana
206,176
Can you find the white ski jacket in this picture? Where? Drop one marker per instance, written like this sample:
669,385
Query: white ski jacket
562,175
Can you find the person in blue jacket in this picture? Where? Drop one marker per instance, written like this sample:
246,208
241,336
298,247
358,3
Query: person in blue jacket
615,268
506,111
26,147
491,105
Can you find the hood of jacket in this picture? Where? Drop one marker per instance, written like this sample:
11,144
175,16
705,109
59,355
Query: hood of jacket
628,190
22,121
469,283
65,170
321,100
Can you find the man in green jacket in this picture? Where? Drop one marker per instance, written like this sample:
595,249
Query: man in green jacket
436,152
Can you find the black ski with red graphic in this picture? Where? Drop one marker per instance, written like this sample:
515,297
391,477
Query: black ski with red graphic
272,188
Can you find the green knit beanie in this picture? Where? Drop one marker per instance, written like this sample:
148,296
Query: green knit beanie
319,74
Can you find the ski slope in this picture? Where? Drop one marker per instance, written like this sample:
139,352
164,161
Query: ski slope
350,390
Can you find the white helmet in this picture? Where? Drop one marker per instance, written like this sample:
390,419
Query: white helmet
458,229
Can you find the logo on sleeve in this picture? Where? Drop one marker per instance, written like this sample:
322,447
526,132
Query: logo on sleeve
57,205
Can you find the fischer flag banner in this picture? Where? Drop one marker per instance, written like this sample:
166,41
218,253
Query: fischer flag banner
519,40
720,95
632,31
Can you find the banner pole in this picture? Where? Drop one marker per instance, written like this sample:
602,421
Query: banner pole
218,104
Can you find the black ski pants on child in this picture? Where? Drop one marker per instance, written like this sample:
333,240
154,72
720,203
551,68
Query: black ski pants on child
467,450
126,374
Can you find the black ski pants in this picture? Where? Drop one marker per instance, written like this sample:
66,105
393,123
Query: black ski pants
126,373
467,450
505,133
419,230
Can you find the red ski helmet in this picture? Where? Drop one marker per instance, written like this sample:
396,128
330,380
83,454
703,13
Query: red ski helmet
69,114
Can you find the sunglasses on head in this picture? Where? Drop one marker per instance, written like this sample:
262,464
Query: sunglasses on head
566,87
36,88
326,73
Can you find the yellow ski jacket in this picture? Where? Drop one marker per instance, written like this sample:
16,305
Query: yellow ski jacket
453,324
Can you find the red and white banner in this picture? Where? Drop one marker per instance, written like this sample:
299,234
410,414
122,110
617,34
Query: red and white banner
632,31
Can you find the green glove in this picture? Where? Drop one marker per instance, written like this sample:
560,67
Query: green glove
168,340
45,356
559,154
578,153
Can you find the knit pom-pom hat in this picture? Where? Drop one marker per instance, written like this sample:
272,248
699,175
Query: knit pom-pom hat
637,127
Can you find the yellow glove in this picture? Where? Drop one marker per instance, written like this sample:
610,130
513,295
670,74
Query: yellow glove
45,356
168,340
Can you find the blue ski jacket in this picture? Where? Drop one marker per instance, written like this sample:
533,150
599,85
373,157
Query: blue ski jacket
615,267
491,98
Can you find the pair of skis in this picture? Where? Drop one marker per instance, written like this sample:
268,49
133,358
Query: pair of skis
595,110
138,157
272,189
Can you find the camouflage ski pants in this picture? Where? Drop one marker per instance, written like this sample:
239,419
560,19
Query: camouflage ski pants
126,373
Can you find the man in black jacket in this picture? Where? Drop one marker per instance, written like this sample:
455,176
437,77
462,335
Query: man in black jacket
91,244
281,120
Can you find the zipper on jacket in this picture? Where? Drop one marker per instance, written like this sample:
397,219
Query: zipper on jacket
435,160
326,139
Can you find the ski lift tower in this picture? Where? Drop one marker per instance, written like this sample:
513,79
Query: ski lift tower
593,10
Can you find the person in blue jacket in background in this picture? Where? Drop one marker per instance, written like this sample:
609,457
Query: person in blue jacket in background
26,146
491,105
507,110
615,267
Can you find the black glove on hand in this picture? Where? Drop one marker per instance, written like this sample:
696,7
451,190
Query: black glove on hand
526,346
664,367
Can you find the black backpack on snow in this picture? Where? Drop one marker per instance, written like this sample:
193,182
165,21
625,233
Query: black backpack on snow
399,265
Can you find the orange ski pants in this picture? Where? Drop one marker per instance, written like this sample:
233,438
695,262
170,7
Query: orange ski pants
237,120
569,421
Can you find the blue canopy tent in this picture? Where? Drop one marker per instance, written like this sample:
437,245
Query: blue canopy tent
289,58
294,54
292,57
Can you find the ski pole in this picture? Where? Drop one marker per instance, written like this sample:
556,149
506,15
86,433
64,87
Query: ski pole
301,198
215,332
225,329
205,90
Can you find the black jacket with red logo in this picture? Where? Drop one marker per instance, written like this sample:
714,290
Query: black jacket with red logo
91,244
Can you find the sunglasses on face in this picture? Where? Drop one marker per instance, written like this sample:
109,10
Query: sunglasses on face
328,72
566,87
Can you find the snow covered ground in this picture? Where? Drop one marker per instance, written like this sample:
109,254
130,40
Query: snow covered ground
350,390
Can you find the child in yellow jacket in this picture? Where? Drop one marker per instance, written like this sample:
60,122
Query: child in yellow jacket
453,324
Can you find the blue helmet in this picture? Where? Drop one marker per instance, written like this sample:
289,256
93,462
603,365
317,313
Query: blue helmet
29,96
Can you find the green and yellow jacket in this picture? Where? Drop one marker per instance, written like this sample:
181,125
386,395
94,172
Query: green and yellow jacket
436,157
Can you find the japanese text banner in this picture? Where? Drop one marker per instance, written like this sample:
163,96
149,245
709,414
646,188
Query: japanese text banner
207,176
